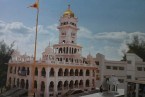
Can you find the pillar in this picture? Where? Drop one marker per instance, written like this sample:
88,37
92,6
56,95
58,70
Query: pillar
137,89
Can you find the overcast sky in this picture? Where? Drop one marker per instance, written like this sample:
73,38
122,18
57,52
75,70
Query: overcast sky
105,25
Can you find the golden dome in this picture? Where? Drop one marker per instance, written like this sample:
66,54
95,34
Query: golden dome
68,12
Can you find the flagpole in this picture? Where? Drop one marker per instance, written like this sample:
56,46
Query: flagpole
31,94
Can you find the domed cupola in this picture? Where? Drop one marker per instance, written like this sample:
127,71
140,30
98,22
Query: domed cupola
48,49
68,13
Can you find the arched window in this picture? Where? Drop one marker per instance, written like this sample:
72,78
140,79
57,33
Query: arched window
72,50
42,86
22,83
36,71
64,50
87,83
11,69
27,84
60,72
71,72
71,84
23,71
60,50
51,73
14,83
35,84
76,72
60,59
81,72
18,82
66,59
28,71
59,86
76,84
81,83
67,50
66,72
75,50
43,72
51,86
18,70
87,72
66,85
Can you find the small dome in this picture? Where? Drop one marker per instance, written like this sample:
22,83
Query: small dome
68,12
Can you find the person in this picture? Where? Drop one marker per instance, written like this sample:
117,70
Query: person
101,89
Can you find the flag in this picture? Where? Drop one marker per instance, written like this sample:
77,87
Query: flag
35,5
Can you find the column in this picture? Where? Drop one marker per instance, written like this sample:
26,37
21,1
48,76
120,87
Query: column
125,89
55,82
47,82
137,89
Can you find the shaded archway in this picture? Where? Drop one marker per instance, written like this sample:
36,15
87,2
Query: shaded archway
18,82
28,71
87,72
27,84
66,85
43,72
81,72
11,69
36,71
59,86
76,72
51,86
35,84
51,73
60,72
71,84
66,73
76,84
42,86
87,83
81,83
22,83
71,72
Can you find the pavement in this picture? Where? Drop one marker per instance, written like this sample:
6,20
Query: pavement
106,94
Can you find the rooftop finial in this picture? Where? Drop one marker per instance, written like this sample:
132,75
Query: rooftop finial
69,7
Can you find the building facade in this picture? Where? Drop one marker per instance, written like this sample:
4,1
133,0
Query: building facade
61,68
132,69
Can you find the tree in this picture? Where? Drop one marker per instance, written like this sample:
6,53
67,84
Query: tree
5,55
137,46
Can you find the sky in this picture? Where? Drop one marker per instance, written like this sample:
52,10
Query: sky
105,26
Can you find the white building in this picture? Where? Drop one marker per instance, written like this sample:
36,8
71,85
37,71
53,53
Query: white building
132,69
61,68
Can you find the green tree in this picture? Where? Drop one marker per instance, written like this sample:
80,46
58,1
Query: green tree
5,55
137,46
